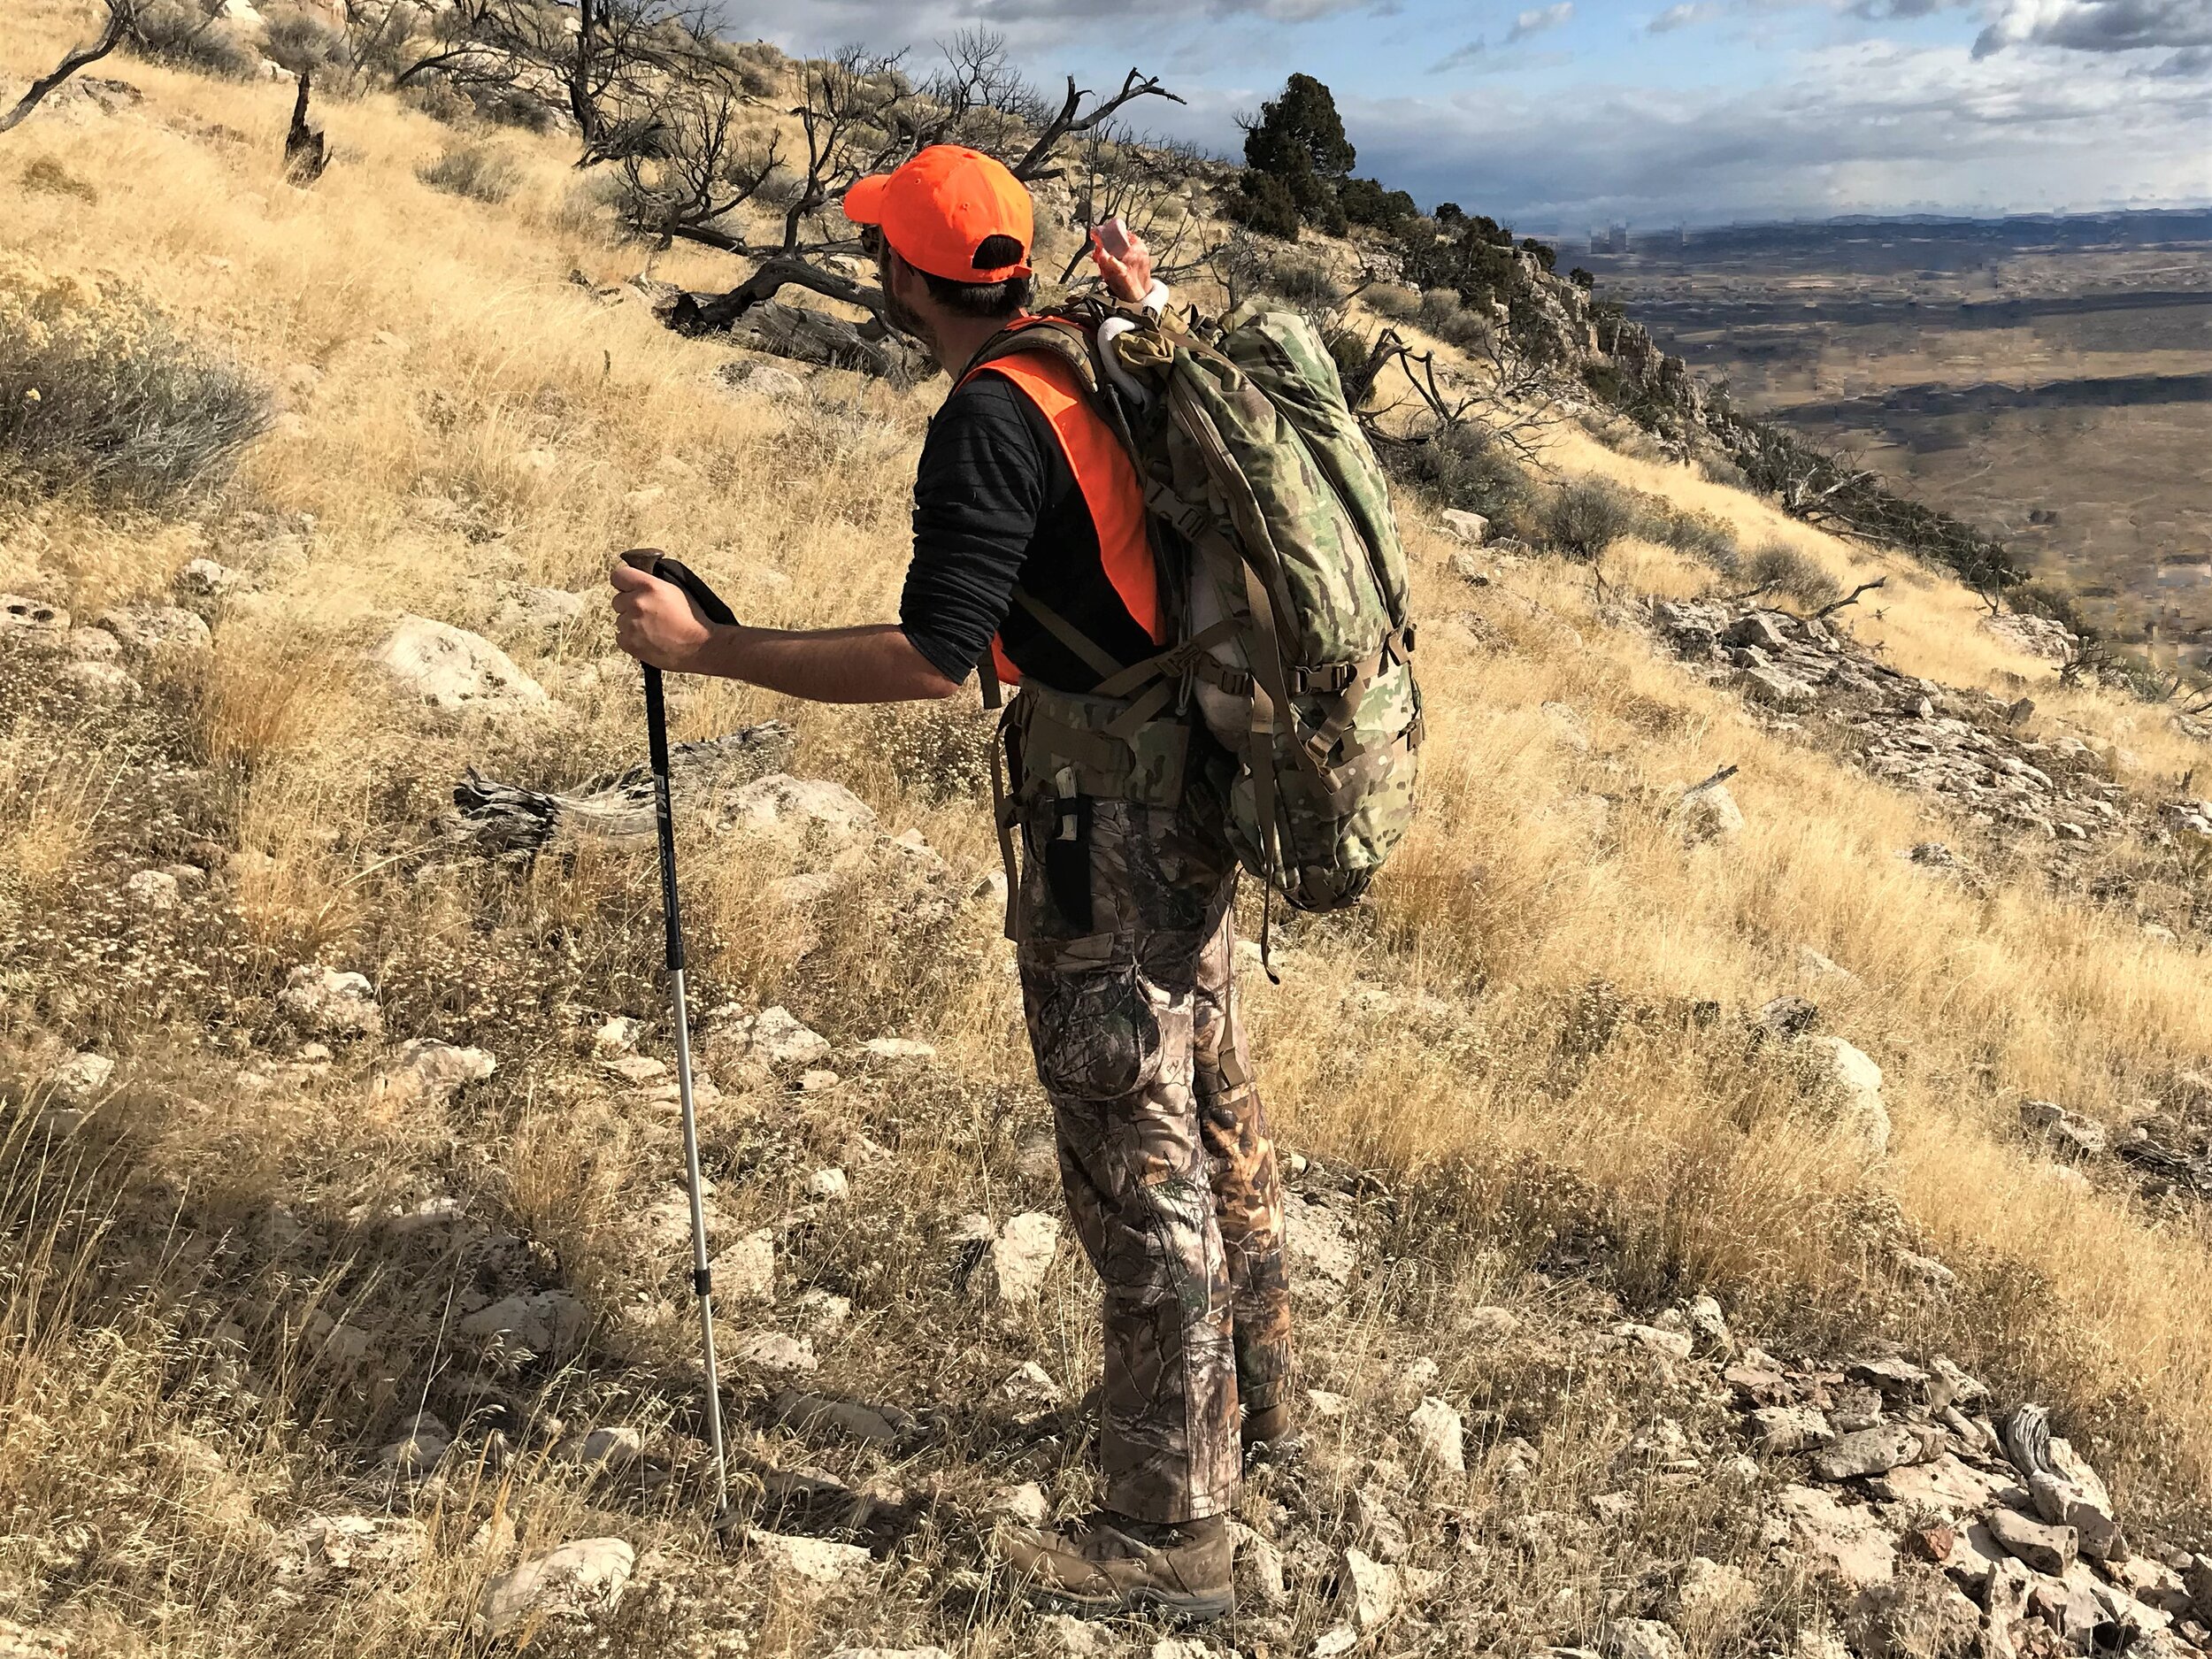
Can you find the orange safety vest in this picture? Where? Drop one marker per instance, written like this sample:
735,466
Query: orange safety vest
1108,479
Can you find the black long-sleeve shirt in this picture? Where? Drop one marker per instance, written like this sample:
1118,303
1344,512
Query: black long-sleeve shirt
996,503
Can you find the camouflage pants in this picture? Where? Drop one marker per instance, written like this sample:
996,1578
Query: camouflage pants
1127,928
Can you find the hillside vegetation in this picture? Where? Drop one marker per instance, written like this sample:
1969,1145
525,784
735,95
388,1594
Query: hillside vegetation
251,1227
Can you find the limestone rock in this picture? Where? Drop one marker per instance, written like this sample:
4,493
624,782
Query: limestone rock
1025,1503
1318,1246
610,1449
1709,1325
453,670
547,1324
746,1271
2049,1550
808,1564
576,1580
1440,1433
1466,526
1855,1082
1021,1255
331,1003
1642,1638
32,621
1876,1450
1782,1429
415,1454
1259,1566
327,1546
898,1049
815,1414
1775,689
1847,1542
1916,1615
762,381
148,628
429,1073
1713,1596
831,1184
153,889
773,1037
806,809
80,1078
1708,813
1368,1590
1669,1344
541,609
206,578
774,1352
2080,1136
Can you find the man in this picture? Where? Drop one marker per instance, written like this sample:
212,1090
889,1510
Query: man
1031,554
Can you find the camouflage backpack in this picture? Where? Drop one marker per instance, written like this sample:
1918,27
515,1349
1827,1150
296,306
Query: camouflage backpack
1271,528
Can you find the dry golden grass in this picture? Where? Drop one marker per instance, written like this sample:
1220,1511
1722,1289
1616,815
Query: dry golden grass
458,414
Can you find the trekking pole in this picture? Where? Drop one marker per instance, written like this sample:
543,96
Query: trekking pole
655,563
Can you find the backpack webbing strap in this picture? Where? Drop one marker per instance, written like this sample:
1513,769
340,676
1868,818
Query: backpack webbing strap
1002,807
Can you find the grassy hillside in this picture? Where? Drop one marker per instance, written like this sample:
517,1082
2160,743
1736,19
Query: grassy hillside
1529,1064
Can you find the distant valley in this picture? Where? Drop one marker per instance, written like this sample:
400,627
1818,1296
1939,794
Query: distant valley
2047,378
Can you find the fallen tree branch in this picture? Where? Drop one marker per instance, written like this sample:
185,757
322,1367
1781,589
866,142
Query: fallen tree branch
120,15
1851,598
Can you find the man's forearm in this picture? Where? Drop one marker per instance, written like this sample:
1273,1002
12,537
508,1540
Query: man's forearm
876,663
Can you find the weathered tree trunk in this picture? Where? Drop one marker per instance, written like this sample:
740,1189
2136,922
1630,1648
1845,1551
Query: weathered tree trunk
119,14
613,810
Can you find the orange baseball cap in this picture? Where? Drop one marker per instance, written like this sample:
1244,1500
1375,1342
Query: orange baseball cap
937,209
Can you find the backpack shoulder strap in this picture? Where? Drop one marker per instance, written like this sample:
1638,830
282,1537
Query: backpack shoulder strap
1061,337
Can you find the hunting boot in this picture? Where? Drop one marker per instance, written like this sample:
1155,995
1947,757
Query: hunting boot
1107,1564
1270,1437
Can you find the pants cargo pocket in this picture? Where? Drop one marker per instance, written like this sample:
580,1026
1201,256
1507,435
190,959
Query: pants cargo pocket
1094,1032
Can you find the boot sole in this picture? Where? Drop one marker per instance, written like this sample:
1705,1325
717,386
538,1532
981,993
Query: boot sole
1184,1607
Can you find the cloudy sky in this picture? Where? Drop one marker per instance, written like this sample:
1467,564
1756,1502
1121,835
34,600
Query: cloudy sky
1563,114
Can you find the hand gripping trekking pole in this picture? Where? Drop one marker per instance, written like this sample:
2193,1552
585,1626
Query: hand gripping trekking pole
655,563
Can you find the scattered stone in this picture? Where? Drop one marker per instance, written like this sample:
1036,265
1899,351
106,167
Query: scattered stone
99,680
774,1352
32,621
899,1049
1896,1380
1440,1433
637,1068
1713,1596
153,889
1642,1638
330,1004
1855,1081
1669,1344
803,808
429,1073
1784,1429
1319,1248
746,1270
1708,813
617,1037
92,645
1849,1542
206,578
1025,1503
538,609
1813,966
2081,1136
1380,1526
415,1454
830,1184
77,1078
1030,1384
822,1312
1709,1325
1078,1638
773,1037
548,1324
325,1546
1916,1616
818,1080
576,1580
1259,1565
1021,1255
852,1419
808,1564
611,1449
1324,1405
453,670
2048,1549
1368,1590
1466,526
146,629
1877,1450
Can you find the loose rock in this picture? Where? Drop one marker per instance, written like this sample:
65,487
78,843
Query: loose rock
1441,1434
331,1003
575,1580
453,670
429,1073
810,1564
2049,1550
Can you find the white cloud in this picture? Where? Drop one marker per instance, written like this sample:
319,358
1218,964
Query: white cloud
1682,17
2097,26
1540,19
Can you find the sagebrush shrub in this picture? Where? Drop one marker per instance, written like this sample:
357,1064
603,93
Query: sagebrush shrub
1778,568
299,41
1387,299
191,35
1464,466
477,171
1583,519
1305,281
99,392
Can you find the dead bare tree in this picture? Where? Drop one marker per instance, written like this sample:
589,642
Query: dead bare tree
122,16
1515,399
1115,175
708,173
305,152
598,64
